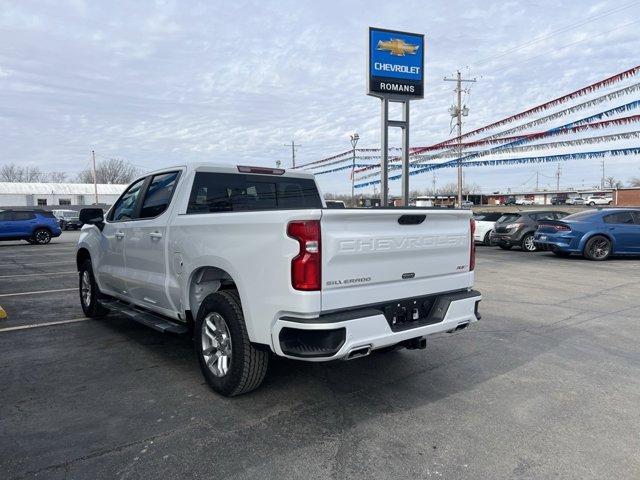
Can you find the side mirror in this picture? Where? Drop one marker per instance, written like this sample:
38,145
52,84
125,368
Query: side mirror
92,216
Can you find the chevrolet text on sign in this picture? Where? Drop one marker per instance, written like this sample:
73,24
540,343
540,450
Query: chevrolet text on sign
396,63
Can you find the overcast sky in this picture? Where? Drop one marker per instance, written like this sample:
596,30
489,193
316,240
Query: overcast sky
160,83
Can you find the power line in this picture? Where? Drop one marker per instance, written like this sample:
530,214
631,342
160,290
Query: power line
555,32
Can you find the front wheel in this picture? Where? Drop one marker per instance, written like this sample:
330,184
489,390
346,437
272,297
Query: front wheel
592,204
41,236
528,245
230,363
598,248
487,239
89,292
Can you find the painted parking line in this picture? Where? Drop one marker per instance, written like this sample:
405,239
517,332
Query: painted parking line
64,262
38,274
47,324
37,292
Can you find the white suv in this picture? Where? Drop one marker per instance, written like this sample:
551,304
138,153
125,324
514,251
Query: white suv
598,200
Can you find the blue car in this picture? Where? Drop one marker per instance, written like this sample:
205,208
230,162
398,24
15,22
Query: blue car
595,234
34,226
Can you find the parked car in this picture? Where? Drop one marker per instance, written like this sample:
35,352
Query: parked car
248,258
595,234
558,200
510,200
34,226
518,229
574,201
334,204
593,200
485,222
525,201
466,204
68,219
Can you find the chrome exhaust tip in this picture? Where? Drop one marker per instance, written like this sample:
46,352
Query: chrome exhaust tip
358,352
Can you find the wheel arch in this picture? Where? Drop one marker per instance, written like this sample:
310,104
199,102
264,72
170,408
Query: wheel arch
82,255
590,235
204,281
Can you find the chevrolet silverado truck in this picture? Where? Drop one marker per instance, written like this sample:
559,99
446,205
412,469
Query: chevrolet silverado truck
252,264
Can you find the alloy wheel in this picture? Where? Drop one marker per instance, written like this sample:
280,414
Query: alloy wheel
216,344
528,243
85,288
599,249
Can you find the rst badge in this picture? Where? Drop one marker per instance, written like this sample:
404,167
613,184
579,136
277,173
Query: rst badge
396,64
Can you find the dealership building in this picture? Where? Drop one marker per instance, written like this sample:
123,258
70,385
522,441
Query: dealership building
56,194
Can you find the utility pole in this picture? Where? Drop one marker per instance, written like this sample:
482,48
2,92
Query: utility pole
354,141
558,172
537,180
459,111
293,152
602,181
433,180
95,183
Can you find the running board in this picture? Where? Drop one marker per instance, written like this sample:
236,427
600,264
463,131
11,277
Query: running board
152,320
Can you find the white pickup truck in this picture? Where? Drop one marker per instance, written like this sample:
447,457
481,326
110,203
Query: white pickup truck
250,261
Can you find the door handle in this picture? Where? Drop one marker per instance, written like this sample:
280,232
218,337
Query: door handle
119,235
155,235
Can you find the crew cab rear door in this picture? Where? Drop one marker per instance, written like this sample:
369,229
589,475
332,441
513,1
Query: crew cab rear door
371,256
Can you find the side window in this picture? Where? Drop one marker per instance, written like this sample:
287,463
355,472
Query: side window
5,216
123,208
158,195
23,216
636,215
560,215
546,216
619,218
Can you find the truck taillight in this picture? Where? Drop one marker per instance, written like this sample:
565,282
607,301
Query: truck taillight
306,267
472,254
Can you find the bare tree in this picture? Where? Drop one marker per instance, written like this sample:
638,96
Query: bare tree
55,177
612,182
114,170
16,173
634,182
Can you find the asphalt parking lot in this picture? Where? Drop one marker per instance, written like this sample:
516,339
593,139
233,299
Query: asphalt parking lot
547,385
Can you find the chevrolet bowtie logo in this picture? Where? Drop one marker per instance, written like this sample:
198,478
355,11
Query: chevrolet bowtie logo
397,47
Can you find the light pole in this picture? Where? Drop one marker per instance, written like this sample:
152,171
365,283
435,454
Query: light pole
354,137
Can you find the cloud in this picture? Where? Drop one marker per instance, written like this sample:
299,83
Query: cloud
168,82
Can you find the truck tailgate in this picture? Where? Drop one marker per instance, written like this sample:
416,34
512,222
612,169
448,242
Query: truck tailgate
372,256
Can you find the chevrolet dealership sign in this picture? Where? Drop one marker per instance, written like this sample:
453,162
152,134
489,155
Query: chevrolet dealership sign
396,64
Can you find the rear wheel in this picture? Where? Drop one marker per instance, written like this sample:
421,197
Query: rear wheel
230,363
89,292
598,248
592,204
41,236
527,244
487,239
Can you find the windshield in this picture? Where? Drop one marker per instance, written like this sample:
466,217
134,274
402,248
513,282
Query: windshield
509,217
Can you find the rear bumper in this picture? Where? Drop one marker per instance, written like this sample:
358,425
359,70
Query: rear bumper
333,336
544,241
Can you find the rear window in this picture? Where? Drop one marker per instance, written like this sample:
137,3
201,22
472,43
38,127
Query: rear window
229,192
509,217
487,217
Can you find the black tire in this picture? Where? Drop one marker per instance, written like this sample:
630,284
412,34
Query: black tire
30,240
609,202
247,366
41,236
592,204
92,307
527,244
561,254
487,239
598,248
505,247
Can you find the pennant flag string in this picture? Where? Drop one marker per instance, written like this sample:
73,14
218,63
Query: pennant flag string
513,161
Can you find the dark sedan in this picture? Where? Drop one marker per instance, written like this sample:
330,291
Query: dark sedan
518,228
595,234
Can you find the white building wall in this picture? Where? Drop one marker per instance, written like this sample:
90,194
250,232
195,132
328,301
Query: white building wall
15,200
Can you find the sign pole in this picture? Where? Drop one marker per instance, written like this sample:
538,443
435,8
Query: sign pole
405,154
384,153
